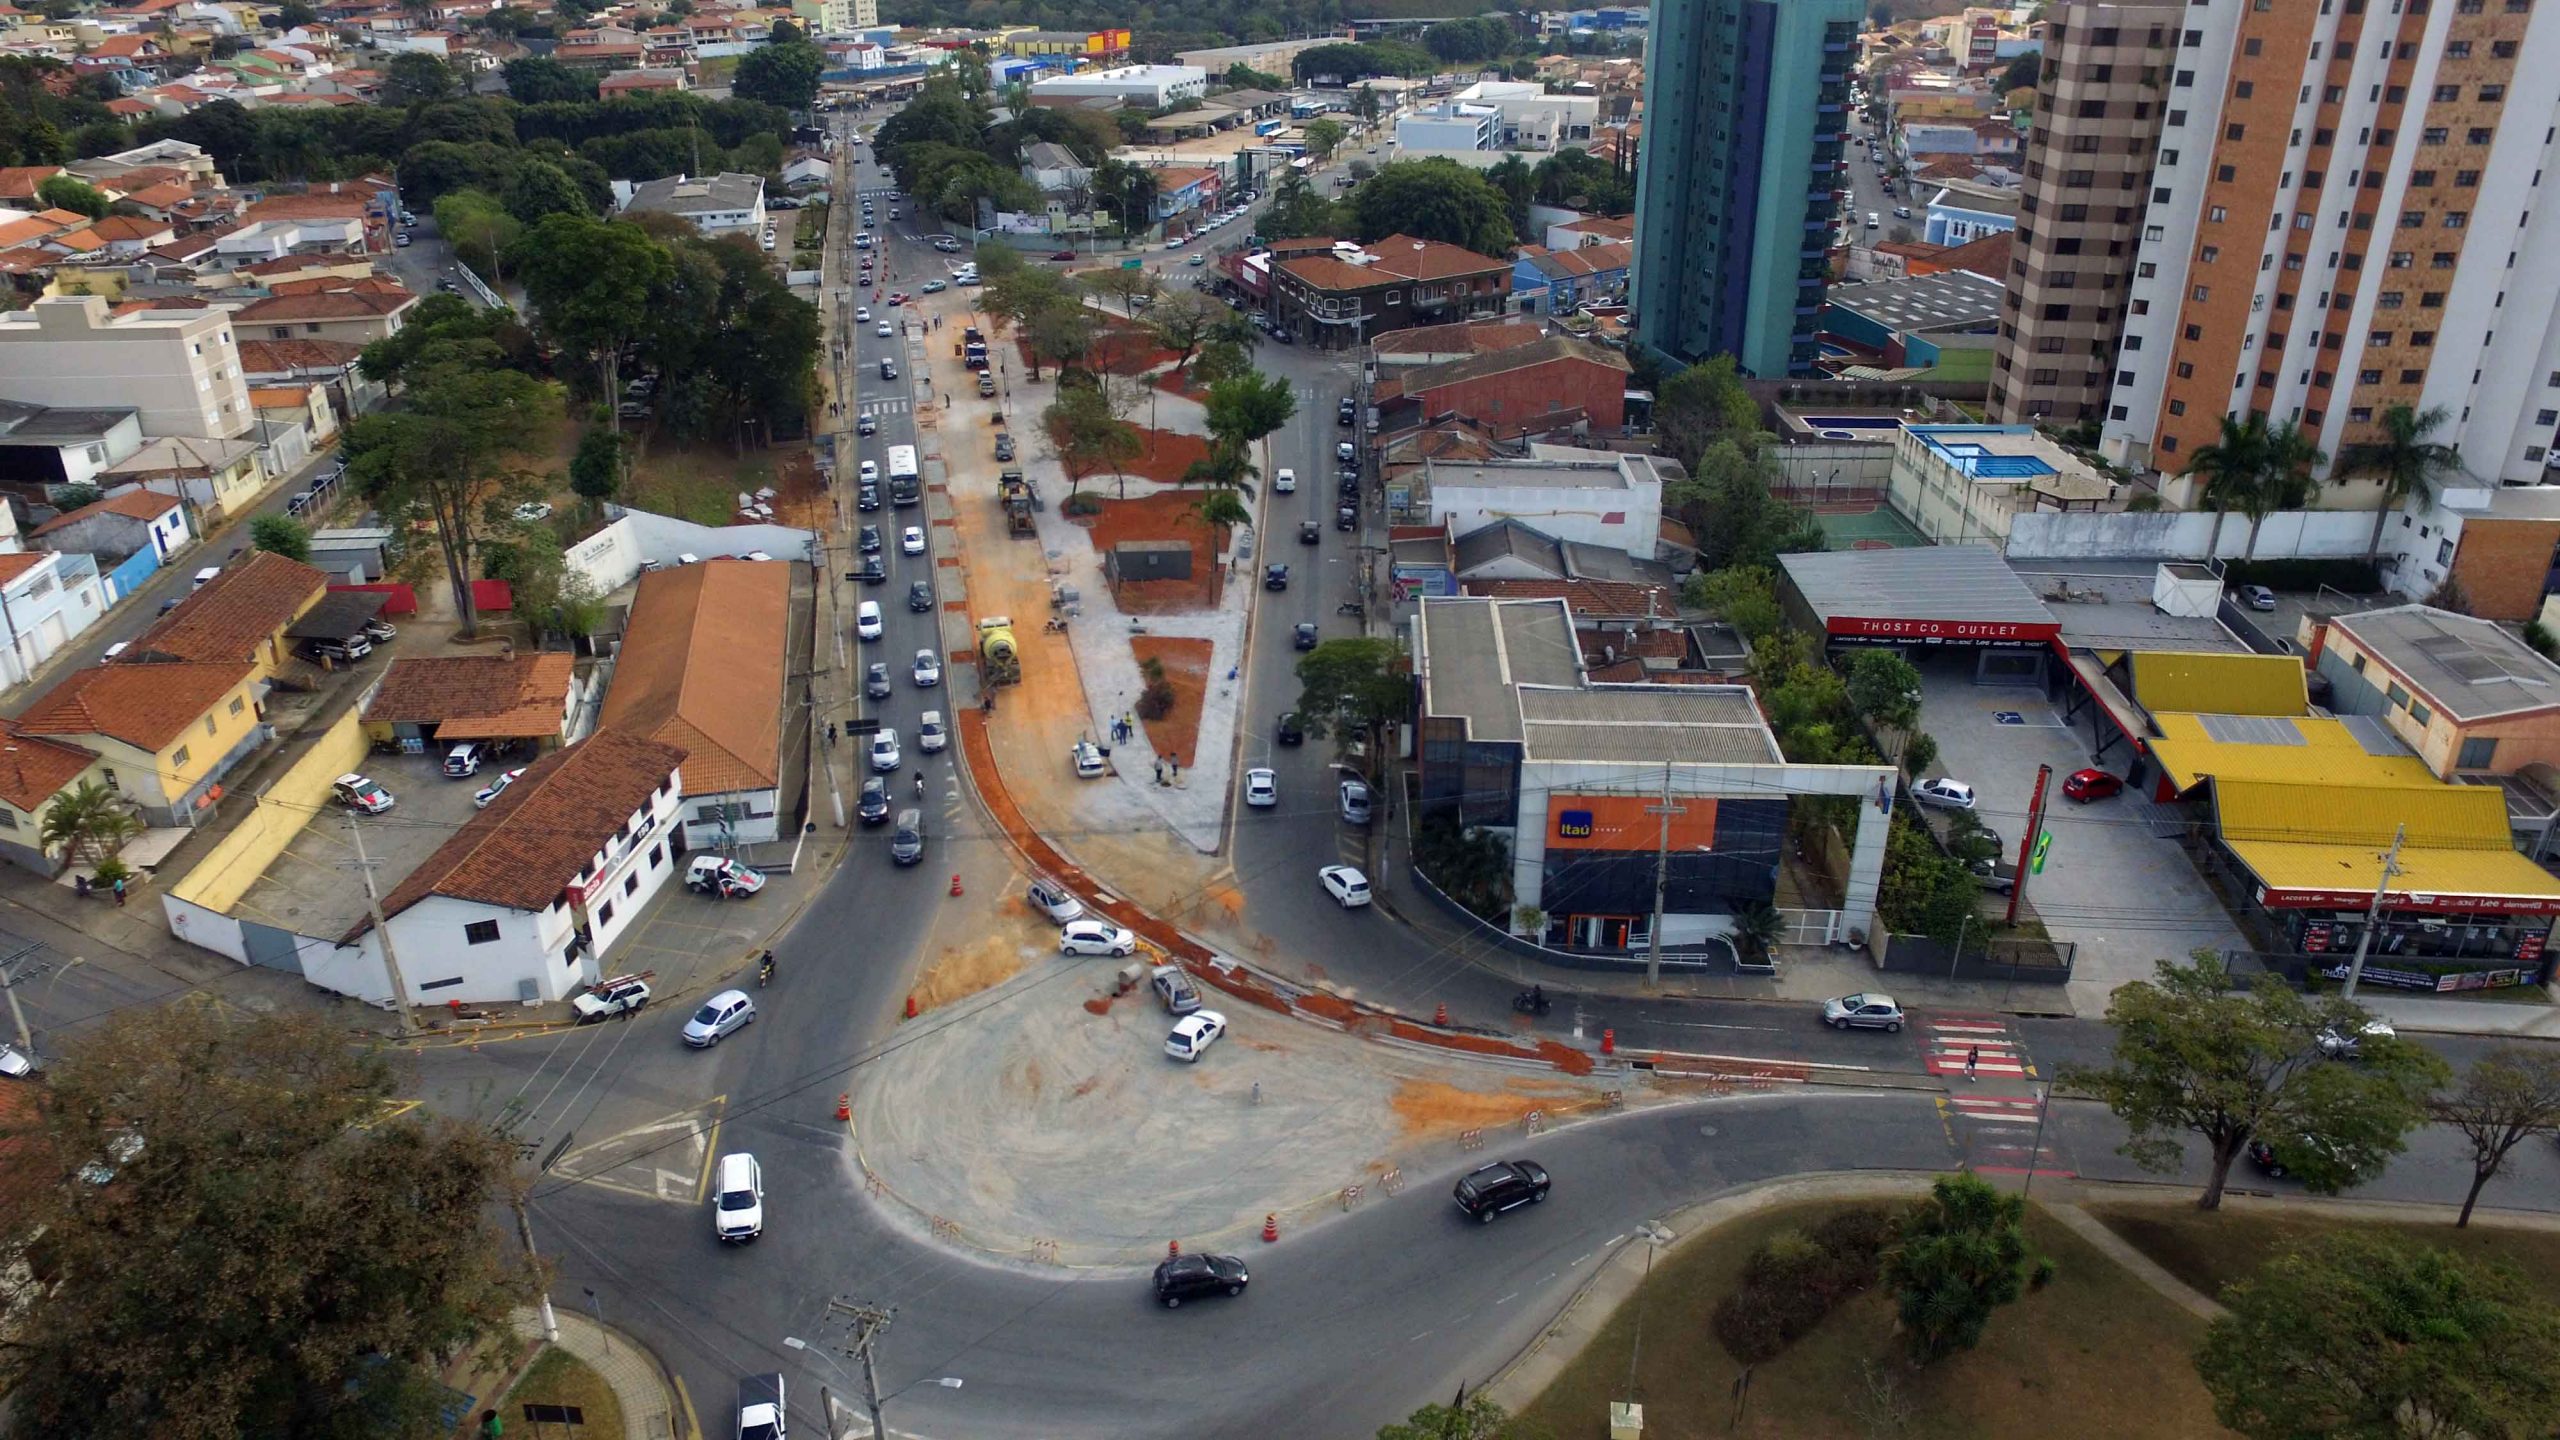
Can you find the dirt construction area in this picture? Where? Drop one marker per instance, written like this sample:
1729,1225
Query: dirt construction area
1042,1119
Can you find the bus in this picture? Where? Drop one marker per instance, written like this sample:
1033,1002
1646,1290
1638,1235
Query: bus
1270,127
903,487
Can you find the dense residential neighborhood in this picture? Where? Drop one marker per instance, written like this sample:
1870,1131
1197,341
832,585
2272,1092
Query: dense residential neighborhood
1656,619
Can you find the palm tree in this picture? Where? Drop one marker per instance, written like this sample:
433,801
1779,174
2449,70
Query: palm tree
2233,470
2285,482
1757,929
1221,507
90,818
2408,465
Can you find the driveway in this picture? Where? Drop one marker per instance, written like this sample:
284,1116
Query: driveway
2113,883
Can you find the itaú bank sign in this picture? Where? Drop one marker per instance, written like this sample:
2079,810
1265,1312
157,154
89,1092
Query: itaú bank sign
1948,632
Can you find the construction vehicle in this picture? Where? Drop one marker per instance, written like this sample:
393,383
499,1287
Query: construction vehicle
999,659
1014,492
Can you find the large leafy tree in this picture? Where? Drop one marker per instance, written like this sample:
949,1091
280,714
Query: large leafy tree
539,80
1087,431
1702,404
281,535
1352,687
2195,1057
277,1257
2508,1096
415,78
1433,200
1956,1257
2406,464
445,453
2366,1336
479,229
2234,470
1884,688
1249,407
592,284
1728,504
781,72
70,192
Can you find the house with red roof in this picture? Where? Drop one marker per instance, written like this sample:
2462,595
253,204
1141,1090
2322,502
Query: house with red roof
1342,296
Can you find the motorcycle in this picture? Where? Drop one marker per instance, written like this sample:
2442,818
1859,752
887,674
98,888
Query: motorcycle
764,970
1531,1002
1350,607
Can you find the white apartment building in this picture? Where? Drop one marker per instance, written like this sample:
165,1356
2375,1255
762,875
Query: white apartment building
179,369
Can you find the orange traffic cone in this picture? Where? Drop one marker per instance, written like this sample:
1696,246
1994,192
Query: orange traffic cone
1270,1228
955,882
911,1007
1608,1042
844,1105
1172,1248
1440,1013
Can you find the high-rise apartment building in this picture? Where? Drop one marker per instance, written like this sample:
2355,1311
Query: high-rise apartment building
177,367
1746,105
2080,211
2345,215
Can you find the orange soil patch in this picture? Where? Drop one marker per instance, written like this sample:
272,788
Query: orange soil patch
1428,1107
1165,516
964,970
801,500
1167,456
1186,668
1179,382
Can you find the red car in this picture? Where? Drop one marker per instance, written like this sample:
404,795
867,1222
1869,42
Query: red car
900,298
1063,255
2087,785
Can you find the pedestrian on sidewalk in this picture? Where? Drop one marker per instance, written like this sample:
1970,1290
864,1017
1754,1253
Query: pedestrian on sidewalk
1972,1055
119,892
831,734
491,1427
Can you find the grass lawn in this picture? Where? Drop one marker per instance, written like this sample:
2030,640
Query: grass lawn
696,483
2211,1250
2094,1354
559,1378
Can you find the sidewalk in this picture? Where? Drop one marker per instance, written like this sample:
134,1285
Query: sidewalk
2515,1019
650,1404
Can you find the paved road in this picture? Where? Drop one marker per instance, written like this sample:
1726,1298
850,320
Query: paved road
1347,1325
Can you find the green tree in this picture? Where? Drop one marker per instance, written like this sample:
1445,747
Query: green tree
1182,321
2401,458
592,284
1518,184
281,535
415,78
439,458
541,80
1351,687
328,1249
2285,482
70,192
1061,334
1956,1257
1884,689
1433,200
293,15
1924,891
478,228
2367,1335
1744,596
1087,433
542,189
1702,404
89,819
2506,1096
1364,104
2194,1056
1476,1418
1221,357
1221,508
2234,470
1728,504
780,72
595,472
1296,209
2023,72
1323,136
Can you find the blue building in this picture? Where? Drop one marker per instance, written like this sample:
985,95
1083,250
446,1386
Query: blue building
1553,282
1746,105
1964,211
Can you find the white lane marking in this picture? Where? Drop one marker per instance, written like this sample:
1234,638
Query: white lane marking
1507,1299
1760,1060
1711,1025
1615,1239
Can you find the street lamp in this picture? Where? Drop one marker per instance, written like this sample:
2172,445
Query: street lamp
863,1383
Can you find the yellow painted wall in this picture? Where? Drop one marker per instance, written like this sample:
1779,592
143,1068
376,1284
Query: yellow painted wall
204,747
298,795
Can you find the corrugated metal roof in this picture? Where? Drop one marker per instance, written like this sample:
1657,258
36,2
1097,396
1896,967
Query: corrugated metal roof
2295,750
1931,582
2194,682
2436,816
1647,725
2422,872
2469,669
1474,652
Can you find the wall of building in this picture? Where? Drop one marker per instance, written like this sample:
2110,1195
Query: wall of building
2503,566
438,964
182,374
611,558
1565,513
283,807
2184,535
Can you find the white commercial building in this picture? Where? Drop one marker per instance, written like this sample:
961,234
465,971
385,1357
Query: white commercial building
1150,86
716,205
1593,497
1450,127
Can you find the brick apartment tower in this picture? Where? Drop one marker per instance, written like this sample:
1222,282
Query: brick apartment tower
2344,217
2099,104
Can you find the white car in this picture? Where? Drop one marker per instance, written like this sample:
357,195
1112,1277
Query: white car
862,314
884,750
14,1063
931,736
1088,760
911,540
928,669
2340,1043
1346,885
866,620
360,793
1261,788
737,1200
533,510
1194,1033
1095,937
722,876
495,788
1355,802
1054,900
1285,483
884,331
870,472
1948,794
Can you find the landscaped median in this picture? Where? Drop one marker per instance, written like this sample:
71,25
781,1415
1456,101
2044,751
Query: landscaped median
1226,973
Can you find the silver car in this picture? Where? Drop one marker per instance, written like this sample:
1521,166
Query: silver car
728,1011
1870,1012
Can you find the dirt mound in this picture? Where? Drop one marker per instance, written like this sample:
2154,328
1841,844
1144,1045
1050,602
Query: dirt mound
1429,1108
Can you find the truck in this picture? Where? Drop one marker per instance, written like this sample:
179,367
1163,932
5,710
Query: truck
620,995
904,488
973,348
1014,493
761,1412
999,657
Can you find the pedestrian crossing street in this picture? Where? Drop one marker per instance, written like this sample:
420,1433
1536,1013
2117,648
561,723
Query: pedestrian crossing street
1985,1038
1996,1119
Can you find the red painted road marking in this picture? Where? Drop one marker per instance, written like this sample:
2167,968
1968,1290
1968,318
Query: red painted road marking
1995,1110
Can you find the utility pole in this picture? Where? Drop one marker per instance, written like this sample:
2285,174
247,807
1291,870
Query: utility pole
17,1016
869,1323
2373,912
524,1233
382,928
1661,878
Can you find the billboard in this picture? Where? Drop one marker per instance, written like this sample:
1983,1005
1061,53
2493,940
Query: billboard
1628,822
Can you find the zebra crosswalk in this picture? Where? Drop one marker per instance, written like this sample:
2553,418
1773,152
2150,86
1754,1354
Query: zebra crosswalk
1995,1115
887,407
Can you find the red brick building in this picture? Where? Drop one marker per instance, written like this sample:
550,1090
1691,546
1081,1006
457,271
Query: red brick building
1346,294
1554,383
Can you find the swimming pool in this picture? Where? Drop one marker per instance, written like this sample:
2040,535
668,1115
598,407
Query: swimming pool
1854,422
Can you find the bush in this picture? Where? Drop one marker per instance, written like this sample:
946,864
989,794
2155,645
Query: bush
1082,502
1919,753
1156,700
1796,1278
2538,635
109,871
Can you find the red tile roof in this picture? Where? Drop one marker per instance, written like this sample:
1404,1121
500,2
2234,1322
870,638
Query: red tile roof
1596,599
477,697
326,305
145,706
277,357
136,503
33,769
238,610
540,833
19,182
702,668
314,206
18,562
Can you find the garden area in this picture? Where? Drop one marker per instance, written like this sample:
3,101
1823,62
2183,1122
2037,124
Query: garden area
1168,515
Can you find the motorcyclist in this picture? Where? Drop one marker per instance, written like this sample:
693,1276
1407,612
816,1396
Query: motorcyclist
764,968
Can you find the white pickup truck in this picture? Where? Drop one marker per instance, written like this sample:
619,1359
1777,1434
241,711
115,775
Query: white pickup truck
621,995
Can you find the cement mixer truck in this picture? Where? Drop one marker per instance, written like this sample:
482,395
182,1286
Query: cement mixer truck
999,659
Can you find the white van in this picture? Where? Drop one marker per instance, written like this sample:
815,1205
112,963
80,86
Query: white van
205,576
737,1201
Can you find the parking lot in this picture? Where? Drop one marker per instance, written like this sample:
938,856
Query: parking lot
2123,894
313,888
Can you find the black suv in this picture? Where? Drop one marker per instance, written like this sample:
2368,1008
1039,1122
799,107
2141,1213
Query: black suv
1503,1185
873,572
1275,577
1188,1277
875,801
920,596
1288,731
1344,413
